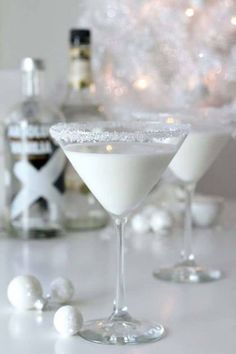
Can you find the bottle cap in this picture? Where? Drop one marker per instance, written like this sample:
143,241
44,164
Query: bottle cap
31,64
80,36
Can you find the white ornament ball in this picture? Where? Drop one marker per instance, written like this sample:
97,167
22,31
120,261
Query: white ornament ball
140,223
161,221
23,291
68,320
61,290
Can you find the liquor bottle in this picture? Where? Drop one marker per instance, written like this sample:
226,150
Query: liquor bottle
82,209
34,165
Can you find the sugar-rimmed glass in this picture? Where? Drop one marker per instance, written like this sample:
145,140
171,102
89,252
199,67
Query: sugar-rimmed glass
207,138
121,162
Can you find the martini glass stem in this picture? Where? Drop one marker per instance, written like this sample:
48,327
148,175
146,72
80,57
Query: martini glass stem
187,252
120,309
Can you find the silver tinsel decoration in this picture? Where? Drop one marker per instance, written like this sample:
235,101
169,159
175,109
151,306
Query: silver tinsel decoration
163,53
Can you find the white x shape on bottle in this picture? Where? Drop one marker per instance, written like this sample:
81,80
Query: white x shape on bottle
38,183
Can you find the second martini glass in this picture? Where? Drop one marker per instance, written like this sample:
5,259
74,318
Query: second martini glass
202,146
120,162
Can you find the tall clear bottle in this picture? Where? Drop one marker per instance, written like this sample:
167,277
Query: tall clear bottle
34,165
83,212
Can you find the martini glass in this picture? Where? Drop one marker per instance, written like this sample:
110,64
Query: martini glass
120,162
205,141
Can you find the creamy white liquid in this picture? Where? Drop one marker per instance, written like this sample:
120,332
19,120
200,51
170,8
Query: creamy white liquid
197,153
120,175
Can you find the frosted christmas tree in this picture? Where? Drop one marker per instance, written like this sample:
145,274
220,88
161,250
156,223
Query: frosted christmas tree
163,53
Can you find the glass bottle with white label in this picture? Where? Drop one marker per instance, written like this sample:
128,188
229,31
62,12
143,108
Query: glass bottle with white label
34,164
83,212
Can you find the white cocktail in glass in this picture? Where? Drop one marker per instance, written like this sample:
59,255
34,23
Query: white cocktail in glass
121,162
204,143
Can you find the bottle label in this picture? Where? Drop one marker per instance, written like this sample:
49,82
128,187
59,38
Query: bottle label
37,165
80,74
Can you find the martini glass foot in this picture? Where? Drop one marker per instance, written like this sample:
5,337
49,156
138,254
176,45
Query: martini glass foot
188,272
124,330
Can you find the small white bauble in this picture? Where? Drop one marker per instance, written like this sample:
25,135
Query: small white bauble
68,320
161,221
61,290
140,223
23,291
206,210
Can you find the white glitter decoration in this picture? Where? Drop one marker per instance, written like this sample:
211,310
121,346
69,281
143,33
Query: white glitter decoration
61,290
68,320
151,54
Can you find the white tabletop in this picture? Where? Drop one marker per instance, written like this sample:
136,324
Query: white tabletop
200,318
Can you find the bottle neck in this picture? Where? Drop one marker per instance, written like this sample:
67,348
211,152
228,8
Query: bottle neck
32,83
80,72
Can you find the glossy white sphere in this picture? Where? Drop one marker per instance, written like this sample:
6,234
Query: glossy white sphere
206,210
68,320
23,291
161,221
140,223
61,290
